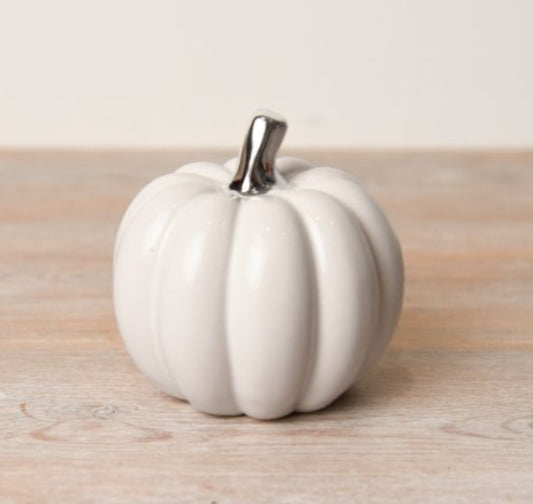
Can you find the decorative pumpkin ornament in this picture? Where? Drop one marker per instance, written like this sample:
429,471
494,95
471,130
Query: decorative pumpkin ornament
260,287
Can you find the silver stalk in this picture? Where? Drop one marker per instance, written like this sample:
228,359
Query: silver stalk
255,173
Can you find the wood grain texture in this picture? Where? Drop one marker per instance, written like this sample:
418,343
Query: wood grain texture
446,417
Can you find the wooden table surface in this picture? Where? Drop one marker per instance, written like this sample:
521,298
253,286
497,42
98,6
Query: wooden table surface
446,417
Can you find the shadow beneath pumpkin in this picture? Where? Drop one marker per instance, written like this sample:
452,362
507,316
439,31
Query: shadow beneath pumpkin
390,380
401,377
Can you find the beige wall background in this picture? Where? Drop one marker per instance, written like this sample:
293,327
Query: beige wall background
346,73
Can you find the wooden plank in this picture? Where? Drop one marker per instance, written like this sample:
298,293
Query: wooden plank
446,417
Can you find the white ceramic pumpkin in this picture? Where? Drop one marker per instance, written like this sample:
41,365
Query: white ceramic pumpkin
265,298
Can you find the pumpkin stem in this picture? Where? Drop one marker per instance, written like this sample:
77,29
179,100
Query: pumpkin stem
255,173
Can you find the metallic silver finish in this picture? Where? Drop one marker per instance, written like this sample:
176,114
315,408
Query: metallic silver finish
255,174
